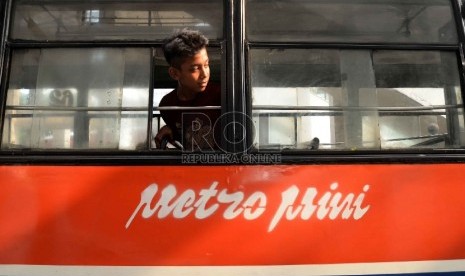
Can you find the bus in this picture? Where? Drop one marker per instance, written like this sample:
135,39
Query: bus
341,149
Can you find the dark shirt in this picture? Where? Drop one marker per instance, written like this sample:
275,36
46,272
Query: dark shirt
194,128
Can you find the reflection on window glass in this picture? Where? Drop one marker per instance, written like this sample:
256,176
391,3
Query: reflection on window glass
92,16
426,86
114,20
408,21
77,99
355,99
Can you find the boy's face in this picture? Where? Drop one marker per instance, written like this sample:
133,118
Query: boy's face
194,72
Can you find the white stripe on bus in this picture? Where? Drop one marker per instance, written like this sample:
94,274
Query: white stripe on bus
259,270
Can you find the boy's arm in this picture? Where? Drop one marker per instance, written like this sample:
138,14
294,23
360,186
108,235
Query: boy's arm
164,133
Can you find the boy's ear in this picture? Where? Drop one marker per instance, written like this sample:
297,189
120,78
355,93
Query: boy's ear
174,73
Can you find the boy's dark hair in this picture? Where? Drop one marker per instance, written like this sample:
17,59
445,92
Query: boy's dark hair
183,44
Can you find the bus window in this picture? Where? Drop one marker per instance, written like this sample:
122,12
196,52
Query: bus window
148,20
64,94
409,21
425,88
355,99
77,98
325,75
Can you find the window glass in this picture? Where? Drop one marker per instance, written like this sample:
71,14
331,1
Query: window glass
355,99
70,20
424,86
406,21
77,98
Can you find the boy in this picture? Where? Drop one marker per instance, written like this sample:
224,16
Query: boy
186,54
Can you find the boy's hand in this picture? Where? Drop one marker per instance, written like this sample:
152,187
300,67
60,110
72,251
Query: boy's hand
164,133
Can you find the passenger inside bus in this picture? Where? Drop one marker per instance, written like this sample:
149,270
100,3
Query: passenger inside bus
186,126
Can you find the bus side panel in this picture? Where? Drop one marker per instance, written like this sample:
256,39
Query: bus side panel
232,215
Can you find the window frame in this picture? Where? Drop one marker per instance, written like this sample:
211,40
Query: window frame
103,155
236,98
346,155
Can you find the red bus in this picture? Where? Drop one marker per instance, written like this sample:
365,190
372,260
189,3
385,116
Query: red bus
341,150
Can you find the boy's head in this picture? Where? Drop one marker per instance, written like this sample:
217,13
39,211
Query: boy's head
182,45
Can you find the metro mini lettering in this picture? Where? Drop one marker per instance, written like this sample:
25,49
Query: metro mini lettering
329,203
206,203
